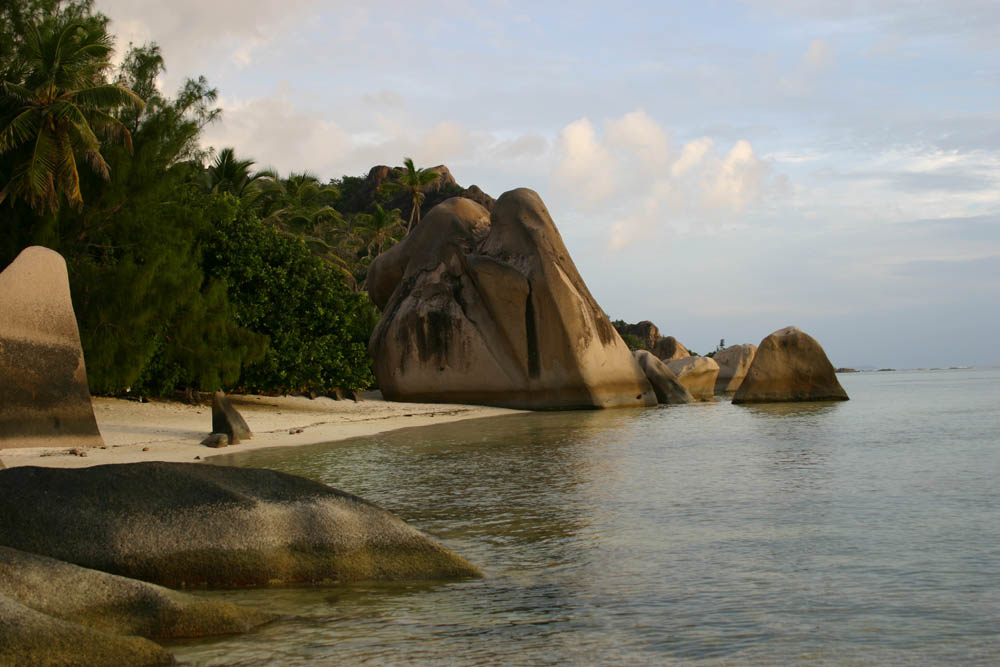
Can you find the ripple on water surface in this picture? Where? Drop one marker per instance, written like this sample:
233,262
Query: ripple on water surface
857,532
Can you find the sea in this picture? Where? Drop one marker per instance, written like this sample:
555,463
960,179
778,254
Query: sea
850,533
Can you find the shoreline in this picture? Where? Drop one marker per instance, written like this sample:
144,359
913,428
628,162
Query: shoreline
164,430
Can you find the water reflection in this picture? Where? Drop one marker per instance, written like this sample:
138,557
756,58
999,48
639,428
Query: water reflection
769,534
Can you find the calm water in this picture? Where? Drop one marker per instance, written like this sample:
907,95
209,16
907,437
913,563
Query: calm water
842,533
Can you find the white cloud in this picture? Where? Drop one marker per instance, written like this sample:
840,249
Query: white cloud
585,166
628,175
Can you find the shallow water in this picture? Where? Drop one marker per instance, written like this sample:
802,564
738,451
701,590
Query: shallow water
841,533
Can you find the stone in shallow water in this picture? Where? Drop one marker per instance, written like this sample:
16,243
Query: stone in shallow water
187,524
697,375
118,605
29,637
668,390
44,398
790,365
734,362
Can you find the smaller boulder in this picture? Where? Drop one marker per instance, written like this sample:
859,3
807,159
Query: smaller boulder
225,419
216,440
697,375
790,365
670,348
734,362
665,385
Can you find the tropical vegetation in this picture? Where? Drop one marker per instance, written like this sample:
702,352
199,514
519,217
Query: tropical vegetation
189,268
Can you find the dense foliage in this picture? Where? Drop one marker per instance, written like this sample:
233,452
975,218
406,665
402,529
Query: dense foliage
188,269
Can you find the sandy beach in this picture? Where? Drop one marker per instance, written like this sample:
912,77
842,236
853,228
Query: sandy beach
172,431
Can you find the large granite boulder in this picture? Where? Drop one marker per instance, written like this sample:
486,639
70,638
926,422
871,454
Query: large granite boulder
697,375
668,390
31,638
189,524
492,310
114,604
790,366
734,362
44,398
669,348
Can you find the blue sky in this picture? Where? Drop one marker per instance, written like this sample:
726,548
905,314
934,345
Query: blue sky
723,169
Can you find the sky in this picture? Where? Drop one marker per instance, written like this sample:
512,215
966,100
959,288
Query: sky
723,169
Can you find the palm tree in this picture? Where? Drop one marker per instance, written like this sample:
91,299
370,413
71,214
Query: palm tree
380,227
412,181
57,111
229,174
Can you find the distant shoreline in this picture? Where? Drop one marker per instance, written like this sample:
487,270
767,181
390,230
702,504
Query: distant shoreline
162,430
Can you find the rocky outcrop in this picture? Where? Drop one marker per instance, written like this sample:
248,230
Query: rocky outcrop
668,390
188,524
226,419
30,638
44,398
435,192
116,605
490,309
697,375
734,362
790,366
645,333
669,348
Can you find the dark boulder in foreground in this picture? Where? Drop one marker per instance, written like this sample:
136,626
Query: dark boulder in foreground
790,366
31,638
668,390
490,309
44,398
114,604
188,524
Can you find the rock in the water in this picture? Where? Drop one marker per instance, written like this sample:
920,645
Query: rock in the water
669,348
117,605
30,638
44,398
188,524
492,310
734,362
668,390
790,366
697,375
225,419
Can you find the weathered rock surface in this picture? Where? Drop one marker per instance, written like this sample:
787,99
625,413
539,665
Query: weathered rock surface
492,310
226,419
669,348
668,390
697,375
44,398
790,366
31,638
117,605
189,524
734,362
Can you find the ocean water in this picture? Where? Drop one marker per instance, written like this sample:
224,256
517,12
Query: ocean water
864,532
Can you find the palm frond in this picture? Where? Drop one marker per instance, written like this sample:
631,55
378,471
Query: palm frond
20,130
